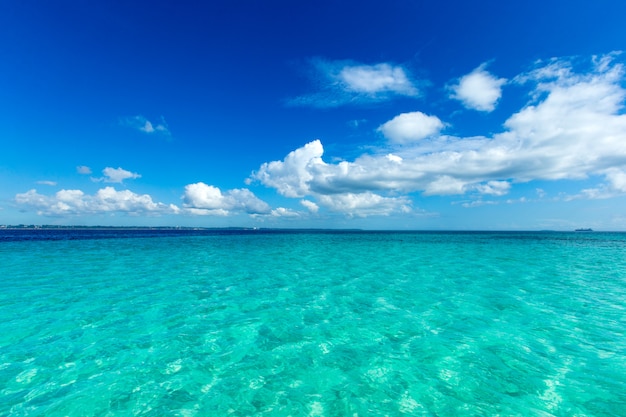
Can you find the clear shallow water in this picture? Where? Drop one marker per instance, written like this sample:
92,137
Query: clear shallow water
314,324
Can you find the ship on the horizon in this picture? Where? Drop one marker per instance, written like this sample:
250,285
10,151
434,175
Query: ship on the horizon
583,230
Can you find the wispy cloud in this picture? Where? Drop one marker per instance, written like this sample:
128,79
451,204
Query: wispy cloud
365,204
480,202
311,206
342,83
283,212
116,175
146,126
50,183
83,170
478,90
614,185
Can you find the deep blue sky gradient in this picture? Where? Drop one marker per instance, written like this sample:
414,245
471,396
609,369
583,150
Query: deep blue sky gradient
222,76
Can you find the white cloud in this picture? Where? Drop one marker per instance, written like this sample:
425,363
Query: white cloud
496,188
365,204
376,79
144,125
303,172
478,90
394,158
50,183
116,175
204,199
478,203
445,185
106,200
311,206
614,185
83,170
284,212
410,127
572,128
616,179
345,82
291,177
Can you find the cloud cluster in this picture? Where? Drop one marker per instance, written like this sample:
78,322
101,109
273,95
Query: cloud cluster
572,128
105,200
198,199
304,173
346,82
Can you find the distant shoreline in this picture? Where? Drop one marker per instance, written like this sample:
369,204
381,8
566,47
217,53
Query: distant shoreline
270,229
54,227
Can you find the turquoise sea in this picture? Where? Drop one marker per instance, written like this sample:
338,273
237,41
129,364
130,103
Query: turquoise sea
270,323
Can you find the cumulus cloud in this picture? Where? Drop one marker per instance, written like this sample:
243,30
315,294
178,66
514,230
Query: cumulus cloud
284,212
204,199
146,126
83,170
303,173
496,188
292,176
478,90
345,82
410,127
365,204
106,200
573,127
116,175
311,206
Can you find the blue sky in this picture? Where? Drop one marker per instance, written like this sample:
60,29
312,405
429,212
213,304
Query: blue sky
376,115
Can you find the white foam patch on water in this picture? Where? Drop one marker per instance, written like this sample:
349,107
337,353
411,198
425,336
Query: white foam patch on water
408,405
450,376
174,367
379,375
296,384
186,412
325,348
67,365
385,304
257,383
26,377
550,395
70,382
316,409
